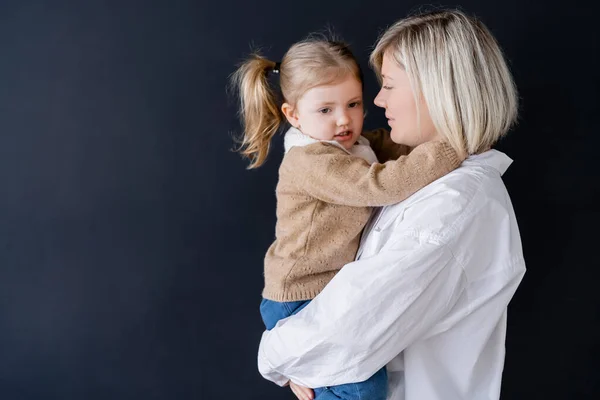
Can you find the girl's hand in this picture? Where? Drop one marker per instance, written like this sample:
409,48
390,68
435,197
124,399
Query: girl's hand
301,392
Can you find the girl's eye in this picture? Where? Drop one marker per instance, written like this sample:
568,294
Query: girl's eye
324,110
387,87
354,104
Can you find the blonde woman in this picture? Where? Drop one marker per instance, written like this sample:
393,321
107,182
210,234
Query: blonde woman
330,178
428,293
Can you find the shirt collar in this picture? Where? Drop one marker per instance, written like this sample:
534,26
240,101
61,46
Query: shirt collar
493,158
293,137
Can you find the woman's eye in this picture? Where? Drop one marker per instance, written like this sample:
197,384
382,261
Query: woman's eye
387,87
324,110
354,104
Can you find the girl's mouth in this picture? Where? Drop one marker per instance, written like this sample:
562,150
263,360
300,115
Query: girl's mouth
343,135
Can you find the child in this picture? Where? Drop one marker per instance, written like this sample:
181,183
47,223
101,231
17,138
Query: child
329,179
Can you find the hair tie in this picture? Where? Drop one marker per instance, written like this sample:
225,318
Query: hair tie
277,68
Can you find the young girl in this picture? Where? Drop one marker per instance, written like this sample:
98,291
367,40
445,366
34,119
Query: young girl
329,179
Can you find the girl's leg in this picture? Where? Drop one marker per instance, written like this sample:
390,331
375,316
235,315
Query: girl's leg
374,388
325,394
273,311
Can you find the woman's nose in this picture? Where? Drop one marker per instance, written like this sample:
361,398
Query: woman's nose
379,100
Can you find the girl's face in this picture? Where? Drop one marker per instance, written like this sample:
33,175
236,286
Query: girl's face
398,99
330,112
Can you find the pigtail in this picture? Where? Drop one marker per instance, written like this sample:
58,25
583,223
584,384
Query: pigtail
259,112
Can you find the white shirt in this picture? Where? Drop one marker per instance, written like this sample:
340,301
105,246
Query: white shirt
427,296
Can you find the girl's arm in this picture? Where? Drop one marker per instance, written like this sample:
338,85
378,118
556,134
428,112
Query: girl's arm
384,147
328,173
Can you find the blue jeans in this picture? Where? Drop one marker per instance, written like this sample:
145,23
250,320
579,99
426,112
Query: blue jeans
374,388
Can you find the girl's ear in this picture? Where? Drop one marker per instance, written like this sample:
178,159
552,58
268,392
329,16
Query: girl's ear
290,114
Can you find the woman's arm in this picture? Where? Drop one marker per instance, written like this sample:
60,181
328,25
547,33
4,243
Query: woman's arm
460,230
371,311
329,174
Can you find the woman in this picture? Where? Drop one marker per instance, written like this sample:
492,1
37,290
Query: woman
428,293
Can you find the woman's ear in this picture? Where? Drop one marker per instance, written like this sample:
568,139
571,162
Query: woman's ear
290,114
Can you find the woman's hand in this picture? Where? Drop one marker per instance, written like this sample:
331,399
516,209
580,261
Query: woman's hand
301,392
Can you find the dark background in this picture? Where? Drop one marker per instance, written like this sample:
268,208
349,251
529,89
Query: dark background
132,238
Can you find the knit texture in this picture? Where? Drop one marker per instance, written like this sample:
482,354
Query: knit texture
324,200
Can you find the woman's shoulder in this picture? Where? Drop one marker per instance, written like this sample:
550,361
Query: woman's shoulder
478,174
472,192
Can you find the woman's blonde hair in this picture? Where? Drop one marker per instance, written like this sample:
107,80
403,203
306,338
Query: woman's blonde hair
312,62
454,62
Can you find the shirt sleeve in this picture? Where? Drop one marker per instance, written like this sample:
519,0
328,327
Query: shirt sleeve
372,310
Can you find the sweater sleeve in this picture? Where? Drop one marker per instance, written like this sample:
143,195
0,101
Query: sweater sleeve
329,174
384,147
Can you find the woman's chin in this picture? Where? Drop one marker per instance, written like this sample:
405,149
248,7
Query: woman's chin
396,137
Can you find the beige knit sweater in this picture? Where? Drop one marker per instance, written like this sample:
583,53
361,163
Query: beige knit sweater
324,199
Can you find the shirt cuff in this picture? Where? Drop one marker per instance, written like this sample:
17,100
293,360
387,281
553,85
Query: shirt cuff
267,371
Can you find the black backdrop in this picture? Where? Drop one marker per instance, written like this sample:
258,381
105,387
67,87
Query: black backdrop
131,237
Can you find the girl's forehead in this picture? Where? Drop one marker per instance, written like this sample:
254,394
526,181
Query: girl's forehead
332,94
348,84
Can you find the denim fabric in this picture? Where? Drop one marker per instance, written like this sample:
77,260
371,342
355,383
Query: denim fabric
374,388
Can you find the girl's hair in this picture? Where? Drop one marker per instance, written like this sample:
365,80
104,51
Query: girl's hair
312,62
454,62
